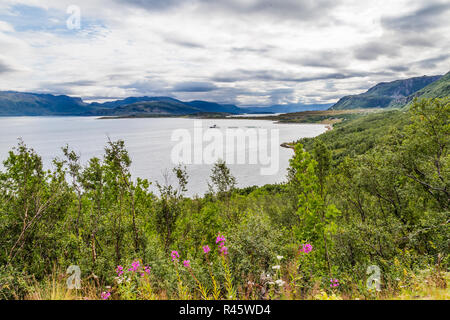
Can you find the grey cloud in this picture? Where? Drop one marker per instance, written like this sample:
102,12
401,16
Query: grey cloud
298,9
246,75
64,87
252,50
329,86
324,59
79,83
182,42
373,50
301,10
270,75
4,67
153,5
432,62
281,95
421,20
148,87
194,87
399,68
420,41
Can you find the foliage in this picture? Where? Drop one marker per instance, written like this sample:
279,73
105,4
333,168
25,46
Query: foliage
374,191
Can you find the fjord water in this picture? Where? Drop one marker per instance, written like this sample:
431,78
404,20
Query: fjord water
148,142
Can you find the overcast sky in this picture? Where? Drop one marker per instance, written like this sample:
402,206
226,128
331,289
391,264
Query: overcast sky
248,52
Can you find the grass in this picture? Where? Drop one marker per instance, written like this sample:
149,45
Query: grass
55,287
426,285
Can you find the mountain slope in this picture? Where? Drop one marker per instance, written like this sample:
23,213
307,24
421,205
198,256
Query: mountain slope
131,100
205,106
438,89
32,104
146,108
385,94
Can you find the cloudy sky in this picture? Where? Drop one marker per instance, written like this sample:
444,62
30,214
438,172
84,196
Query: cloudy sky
248,52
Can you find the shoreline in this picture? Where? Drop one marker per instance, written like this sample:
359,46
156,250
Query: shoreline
291,145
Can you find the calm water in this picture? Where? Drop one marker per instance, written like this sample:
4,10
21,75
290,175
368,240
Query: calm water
149,142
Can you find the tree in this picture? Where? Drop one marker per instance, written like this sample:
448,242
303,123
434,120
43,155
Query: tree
74,166
315,216
33,202
168,208
322,155
222,181
423,149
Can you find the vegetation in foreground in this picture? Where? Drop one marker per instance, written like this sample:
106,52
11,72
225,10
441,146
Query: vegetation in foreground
347,216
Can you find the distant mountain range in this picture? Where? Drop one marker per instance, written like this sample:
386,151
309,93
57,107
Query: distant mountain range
34,104
395,94
387,94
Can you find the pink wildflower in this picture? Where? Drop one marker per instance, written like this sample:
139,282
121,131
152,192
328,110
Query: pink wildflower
134,266
206,249
306,248
105,295
119,271
175,255
187,264
334,283
147,269
220,239
224,250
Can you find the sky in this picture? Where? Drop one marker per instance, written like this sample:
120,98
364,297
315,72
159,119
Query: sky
245,52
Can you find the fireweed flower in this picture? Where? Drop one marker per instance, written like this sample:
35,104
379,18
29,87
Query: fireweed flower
187,264
224,250
334,283
206,249
306,248
105,295
220,239
147,269
134,266
175,255
119,271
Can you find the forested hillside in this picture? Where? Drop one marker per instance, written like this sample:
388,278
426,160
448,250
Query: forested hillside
372,193
357,136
